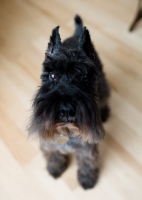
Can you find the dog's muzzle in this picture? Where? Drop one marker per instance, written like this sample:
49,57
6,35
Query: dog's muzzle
66,112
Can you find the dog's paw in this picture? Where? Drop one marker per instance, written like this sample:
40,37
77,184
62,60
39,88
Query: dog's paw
55,172
88,180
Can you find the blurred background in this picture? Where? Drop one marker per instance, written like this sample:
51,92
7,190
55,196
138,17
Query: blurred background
25,27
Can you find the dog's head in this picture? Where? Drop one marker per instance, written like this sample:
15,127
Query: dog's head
67,98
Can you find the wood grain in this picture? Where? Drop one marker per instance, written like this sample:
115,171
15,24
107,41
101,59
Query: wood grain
25,27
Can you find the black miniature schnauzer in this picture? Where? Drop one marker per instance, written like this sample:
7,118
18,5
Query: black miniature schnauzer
71,104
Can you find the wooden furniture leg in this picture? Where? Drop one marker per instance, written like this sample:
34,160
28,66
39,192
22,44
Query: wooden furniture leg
137,17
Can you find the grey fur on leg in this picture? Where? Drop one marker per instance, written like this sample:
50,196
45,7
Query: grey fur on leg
56,161
88,171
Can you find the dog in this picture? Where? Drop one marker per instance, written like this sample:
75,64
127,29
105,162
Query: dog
71,104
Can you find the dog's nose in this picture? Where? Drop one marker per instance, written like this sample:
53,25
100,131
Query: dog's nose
67,113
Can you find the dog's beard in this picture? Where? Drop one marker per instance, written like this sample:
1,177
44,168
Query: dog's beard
68,129
87,125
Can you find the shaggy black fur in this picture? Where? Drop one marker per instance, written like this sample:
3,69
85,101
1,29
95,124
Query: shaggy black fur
73,95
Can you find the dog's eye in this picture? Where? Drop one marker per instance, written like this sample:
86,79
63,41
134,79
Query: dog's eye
52,76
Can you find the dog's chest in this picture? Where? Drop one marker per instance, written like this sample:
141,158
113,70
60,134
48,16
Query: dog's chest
72,145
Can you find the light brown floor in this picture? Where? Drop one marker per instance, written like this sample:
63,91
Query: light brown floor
25,27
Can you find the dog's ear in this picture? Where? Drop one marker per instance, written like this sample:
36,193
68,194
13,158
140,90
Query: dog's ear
86,44
54,44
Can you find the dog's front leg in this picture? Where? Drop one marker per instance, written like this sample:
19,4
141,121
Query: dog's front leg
87,158
56,161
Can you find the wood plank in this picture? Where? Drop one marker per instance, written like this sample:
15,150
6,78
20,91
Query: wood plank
24,34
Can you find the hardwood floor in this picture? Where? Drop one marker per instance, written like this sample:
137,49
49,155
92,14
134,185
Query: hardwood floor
25,27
